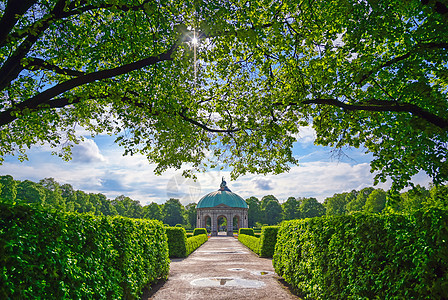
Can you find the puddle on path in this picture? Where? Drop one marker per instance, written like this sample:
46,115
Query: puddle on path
235,269
262,273
227,281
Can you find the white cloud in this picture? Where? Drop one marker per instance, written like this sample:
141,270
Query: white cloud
263,184
87,152
306,135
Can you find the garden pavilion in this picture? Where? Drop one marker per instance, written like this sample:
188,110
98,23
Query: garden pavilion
222,204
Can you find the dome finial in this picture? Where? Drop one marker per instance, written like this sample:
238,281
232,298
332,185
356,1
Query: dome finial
223,186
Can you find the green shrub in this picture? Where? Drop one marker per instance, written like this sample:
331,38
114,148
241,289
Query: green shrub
247,231
195,241
178,225
250,242
268,240
366,256
53,255
198,231
177,239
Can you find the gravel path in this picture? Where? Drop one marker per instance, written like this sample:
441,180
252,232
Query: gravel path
222,268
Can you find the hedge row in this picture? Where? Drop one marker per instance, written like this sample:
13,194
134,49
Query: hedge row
194,242
53,255
198,231
177,241
366,256
250,242
263,246
247,231
268,240
179,245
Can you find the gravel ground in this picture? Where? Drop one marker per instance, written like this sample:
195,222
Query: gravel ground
222,268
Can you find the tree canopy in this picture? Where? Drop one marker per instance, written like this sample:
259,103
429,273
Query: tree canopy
369,74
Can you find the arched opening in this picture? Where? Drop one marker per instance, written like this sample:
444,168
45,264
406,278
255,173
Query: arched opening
208,223
236,223
222,224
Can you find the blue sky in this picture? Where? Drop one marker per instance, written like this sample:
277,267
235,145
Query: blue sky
98,166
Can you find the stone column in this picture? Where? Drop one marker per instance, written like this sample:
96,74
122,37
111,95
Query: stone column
214,224
244,221
229,224
198,219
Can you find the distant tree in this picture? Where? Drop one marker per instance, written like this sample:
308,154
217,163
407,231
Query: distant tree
311,208
376,201
173,212
414,199
69,195
264,201
358,203
291,209
103,206
31,192
127,207
53,193
336,205
254,211
9,188
272,212
82,203
263,204
152,211
191,215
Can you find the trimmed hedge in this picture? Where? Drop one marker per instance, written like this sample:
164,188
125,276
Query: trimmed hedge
366,256
194,242
250,242
198,231
268,240
52,255
179,245
263,245
247,231
177,240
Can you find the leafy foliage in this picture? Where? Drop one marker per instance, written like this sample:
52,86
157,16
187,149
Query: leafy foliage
371,75
172,212
366,255
53,255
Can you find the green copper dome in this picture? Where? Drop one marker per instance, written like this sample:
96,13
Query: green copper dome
222,196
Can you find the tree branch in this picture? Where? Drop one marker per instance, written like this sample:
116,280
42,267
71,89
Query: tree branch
12,66
205,127
43,99
13,11
35,63
418,47
383,105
